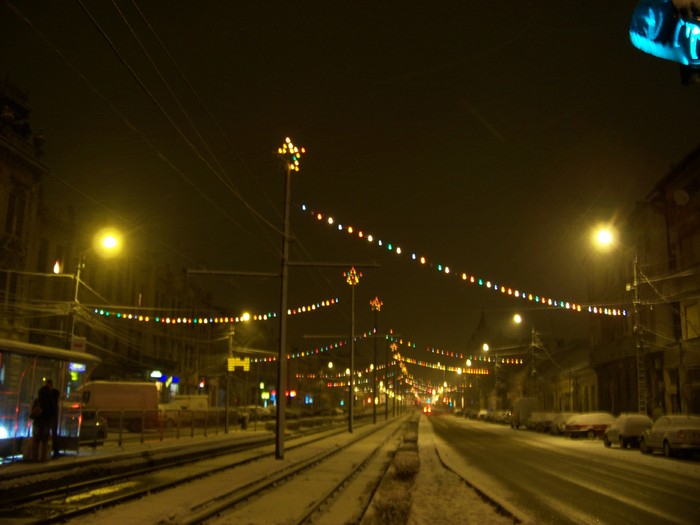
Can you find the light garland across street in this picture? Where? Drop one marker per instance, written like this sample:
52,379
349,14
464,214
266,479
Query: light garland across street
446,270
222,319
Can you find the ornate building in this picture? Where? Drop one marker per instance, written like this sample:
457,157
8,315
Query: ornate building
21,171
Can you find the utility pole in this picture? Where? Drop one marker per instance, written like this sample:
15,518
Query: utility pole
386,377
639,342
352,277
290,155
74,309
376,305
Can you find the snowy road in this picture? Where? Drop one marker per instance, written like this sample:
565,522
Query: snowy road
551,479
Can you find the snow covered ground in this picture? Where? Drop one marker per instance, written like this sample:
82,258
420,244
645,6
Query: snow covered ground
440,496
437,496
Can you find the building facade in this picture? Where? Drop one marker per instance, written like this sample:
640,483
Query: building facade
648,359
56,291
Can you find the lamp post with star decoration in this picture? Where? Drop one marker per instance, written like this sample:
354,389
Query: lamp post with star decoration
376,305
352,277
290,155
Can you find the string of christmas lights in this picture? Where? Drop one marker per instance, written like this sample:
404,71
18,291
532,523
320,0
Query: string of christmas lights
489,284
476,357
446,368
175,320
315,351
473,358
226,319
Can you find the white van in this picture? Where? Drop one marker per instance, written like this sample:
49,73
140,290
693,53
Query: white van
132,405
522,411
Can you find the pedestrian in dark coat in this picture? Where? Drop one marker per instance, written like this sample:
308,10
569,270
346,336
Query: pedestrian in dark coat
46,423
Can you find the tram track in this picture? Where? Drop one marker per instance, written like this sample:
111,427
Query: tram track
98,485
69,501
103,471
245,503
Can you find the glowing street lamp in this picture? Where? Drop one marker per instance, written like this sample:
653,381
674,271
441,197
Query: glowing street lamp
605,238
352,277
106,243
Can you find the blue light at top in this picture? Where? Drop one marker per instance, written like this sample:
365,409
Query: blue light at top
658,29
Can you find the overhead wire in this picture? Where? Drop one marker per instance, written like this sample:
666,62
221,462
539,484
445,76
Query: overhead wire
163,112
213,119
133,128
298,245
126,121
226,182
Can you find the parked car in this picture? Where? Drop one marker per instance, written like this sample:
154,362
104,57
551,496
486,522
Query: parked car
589,424
93,429
498,416
627,430
505,417
559,420
674,434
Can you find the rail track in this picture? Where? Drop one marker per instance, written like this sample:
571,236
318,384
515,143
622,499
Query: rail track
115,489
306,492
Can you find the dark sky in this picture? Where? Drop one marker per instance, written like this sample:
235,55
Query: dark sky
487,136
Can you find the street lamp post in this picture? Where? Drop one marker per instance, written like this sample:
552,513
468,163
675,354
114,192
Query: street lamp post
290,155
394,388
352,277
638,341
105,243
393,347
376,305
604,238
535,344
460,386
229,366
386,380
76,297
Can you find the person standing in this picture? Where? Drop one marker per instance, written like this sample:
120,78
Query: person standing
46,424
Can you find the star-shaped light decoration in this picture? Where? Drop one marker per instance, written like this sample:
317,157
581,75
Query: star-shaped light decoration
352,277
291,154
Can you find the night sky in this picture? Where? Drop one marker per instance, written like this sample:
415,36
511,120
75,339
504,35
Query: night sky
487,136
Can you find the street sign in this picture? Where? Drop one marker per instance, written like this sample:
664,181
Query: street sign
238,362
